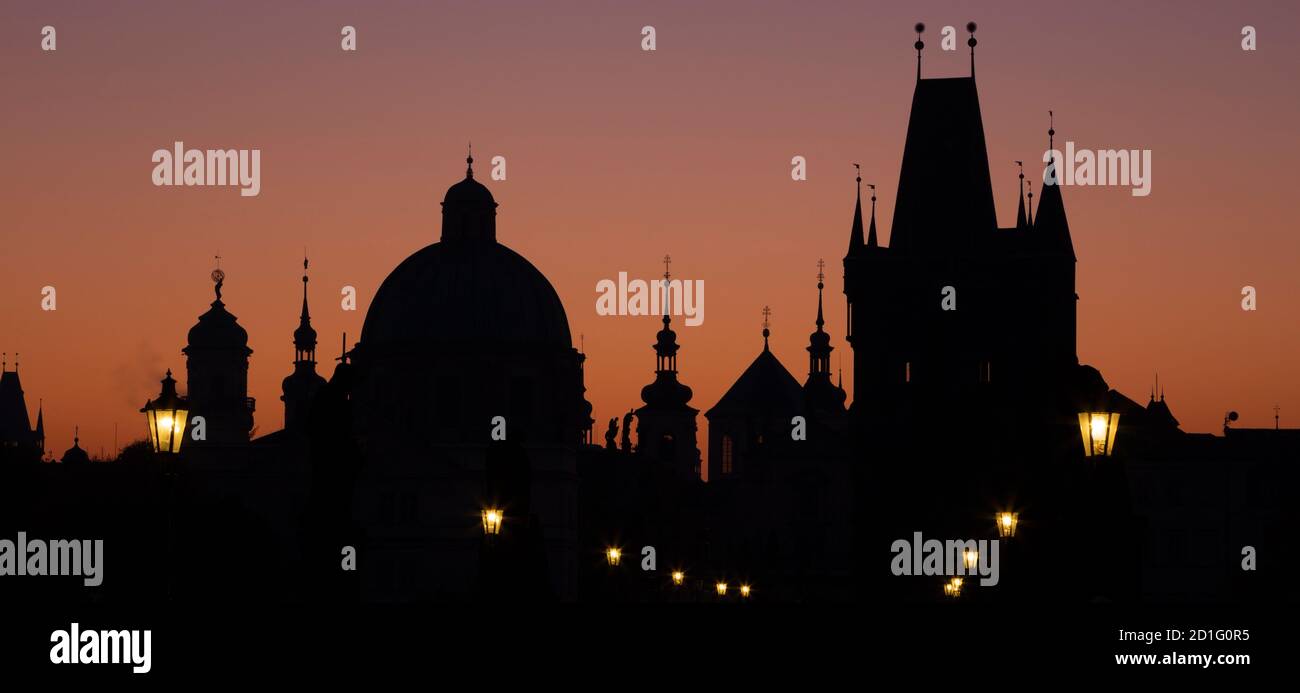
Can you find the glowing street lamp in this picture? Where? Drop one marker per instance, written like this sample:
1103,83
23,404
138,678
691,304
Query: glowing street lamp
492,521
721,587
678,578
1098,431
613,556
166,417
971,559
744,591
952,588
1007,522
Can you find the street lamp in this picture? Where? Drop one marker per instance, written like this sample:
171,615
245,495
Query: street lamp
1098,431
971,559
614,556
952,588
744,591
721,587
1007,522
678,578
492,521
166,417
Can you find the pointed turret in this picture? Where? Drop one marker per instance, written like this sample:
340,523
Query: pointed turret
40,427
1053,228
856,242
1022,222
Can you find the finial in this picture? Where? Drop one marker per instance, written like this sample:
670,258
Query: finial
1051,131
821,274
1021,164
1029,214
767,314
4,364
920,29
343,355
218,276
859,178
873,196
76,436
582,344
469,160
970,27
668,260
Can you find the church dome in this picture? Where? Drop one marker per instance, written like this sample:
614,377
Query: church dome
483,293
469,191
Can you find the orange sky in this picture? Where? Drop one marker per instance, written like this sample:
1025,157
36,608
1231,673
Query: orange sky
616,156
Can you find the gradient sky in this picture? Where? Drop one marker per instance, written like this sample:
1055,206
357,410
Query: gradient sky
617,156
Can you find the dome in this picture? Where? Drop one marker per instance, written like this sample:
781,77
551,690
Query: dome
217,329
482,293
75,455
471,191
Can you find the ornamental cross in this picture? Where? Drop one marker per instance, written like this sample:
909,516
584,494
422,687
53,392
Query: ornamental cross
767,313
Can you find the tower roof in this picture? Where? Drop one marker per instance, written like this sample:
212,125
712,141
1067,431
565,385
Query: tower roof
945,196
765,385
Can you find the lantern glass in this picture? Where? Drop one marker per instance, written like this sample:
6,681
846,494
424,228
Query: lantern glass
1007,522
492,521
744,591
613,556
1097,428
721,587
166,418
678,577
970,559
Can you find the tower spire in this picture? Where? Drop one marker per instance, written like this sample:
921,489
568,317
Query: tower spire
469,160
970,27
920,29
821,276
855,232
1021,222
871,235
1029,211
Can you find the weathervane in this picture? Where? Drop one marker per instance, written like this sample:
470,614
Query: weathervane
218,276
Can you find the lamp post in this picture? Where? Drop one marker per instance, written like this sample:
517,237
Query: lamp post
1097,428
166,417
613,556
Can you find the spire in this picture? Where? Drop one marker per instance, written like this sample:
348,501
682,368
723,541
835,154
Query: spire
871,237
304,338
767,314
1055,229
40,423
1021,222
469,160
1029,211
855,233
920,29
821,277
819,342
970,27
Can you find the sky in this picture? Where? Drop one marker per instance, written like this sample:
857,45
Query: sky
616,156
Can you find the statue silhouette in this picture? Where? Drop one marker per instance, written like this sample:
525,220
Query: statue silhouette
627,430
611,433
